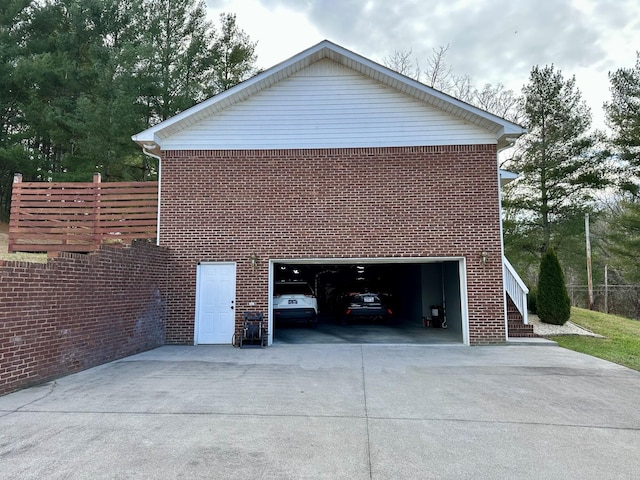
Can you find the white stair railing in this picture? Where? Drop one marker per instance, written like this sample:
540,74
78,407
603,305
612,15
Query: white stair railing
515,288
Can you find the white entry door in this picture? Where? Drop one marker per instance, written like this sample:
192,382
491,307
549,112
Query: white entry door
215,303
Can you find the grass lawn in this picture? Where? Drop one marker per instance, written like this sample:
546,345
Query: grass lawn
622,337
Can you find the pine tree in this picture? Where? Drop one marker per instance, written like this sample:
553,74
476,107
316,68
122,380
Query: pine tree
233,55
556,160
79,77
14,89
623,116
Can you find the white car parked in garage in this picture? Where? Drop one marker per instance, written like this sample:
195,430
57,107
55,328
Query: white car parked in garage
295,301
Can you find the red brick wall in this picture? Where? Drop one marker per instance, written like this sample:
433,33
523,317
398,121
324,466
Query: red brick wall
362,202
78,311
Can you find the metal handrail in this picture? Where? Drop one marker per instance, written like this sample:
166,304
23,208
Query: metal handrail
515,288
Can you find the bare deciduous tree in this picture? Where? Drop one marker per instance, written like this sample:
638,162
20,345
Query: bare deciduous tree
401,62
500,101
462,88
438,74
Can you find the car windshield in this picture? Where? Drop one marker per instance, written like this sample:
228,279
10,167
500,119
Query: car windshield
293,288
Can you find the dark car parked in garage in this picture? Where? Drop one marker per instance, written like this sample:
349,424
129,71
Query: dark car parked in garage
366,306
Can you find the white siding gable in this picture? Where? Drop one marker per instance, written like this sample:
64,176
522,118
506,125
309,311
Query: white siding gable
327,105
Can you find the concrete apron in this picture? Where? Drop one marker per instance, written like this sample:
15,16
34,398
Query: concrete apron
330,411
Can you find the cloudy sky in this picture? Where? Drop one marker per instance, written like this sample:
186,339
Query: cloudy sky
491,41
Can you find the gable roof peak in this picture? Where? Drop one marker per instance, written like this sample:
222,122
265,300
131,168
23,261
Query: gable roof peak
505,131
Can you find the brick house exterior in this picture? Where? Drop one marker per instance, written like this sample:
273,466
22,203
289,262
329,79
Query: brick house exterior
329,157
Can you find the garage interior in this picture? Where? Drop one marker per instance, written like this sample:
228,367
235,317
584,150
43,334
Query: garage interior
413,291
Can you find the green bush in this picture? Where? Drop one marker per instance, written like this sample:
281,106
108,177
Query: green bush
553,302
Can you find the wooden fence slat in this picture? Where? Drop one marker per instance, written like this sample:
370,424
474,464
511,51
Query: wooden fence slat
115,224
76,229
58,211
81,248
144,214
49,193
41,242
109,185
124,238
129,191
28,203
143,202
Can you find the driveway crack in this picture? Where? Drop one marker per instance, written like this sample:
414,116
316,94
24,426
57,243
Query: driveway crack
52,387
366,410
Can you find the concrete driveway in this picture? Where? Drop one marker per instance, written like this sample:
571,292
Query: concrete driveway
330,411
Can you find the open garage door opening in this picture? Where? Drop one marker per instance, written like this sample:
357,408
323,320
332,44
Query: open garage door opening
368,301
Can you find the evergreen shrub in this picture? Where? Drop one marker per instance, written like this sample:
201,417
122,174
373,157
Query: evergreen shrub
553,302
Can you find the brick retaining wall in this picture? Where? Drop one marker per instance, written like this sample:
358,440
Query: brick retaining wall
78,311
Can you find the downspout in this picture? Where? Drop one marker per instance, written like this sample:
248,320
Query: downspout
145,150
510,142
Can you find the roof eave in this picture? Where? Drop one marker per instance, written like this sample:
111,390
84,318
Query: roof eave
508,136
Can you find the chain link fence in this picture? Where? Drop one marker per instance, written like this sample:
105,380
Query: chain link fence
621,300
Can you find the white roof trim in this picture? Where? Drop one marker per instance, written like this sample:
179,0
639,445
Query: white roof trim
506,132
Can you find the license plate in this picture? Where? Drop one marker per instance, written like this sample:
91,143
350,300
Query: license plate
293,302
369,299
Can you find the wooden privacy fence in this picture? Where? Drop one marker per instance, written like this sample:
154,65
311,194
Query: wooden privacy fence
79,217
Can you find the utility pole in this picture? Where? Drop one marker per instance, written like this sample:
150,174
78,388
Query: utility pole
606,288
589,276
